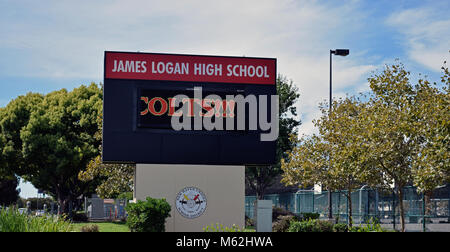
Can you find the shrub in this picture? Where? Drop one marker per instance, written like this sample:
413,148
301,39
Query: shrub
371,220
249,222
314,225
372,226
11,220
324,226
277,212
221,228
340,228
283,223
309,216
301,226
311,226
79,217
90,228
148,216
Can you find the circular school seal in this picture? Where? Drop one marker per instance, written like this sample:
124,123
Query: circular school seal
191,202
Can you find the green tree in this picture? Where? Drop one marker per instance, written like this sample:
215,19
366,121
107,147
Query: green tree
14,118
50,138
330,158
116,179
2,146
259,178
432,129
397,136
390,132
8,190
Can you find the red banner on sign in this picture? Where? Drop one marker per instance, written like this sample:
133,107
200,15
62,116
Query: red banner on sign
178,67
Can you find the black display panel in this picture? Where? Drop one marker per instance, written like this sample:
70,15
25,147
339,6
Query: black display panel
136,132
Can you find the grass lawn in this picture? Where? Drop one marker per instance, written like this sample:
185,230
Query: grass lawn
103,226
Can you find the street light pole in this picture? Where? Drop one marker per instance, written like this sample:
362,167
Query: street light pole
331,85
330,199
339,52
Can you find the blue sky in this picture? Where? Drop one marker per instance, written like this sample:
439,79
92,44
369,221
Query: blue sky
49,45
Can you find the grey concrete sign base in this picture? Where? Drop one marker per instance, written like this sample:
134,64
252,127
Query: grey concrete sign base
205,194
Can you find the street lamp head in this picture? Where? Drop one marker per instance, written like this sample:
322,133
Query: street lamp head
341,52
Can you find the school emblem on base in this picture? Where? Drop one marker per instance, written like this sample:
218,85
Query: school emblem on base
191,202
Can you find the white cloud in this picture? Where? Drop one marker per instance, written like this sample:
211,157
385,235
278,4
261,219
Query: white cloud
311,74
67,39
426,34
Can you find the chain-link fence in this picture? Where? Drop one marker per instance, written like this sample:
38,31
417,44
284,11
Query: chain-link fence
422,212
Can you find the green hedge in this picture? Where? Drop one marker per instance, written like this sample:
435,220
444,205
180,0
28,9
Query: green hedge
148,216
315,225
309,216
311,225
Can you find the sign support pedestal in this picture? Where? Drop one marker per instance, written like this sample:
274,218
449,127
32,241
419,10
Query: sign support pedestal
223,188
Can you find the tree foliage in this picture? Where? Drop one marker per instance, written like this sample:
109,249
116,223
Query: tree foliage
396,136
330,158
116,179
13,119
8,190
431,167
50,138
409,140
